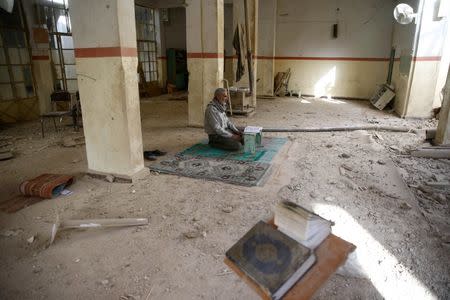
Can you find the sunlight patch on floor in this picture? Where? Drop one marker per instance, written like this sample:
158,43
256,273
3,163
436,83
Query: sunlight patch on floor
389,276
331,100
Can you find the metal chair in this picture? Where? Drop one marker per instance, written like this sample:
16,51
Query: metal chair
61,96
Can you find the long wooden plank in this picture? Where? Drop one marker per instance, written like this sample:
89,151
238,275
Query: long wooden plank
436,153
95,223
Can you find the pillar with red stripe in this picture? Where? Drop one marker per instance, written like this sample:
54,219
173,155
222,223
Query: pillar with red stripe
104,36
204,38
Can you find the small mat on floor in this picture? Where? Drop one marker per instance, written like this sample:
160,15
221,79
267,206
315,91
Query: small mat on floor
230,171
45,186
265,153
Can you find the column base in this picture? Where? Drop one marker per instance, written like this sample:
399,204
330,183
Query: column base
141,174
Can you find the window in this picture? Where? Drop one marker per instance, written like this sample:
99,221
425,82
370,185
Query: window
146,42
16,79
56,18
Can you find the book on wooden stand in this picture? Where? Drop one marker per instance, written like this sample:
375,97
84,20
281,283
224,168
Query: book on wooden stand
278,266
273,260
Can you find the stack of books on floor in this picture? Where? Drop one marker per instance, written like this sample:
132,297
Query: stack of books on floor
302,225
273,260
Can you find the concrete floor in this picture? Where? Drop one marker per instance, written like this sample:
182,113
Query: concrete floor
402,249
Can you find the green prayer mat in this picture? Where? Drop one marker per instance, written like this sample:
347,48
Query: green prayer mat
264,153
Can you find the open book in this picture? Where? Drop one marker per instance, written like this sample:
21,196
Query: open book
252,129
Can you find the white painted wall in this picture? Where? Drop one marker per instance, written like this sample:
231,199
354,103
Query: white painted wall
304,28
350,65
433,30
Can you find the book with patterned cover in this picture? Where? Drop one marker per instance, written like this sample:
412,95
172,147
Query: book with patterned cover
273,260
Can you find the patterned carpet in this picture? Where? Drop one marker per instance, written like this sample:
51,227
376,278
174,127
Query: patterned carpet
224,170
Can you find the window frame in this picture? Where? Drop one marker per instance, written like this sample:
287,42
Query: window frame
56,45
13,82
150,62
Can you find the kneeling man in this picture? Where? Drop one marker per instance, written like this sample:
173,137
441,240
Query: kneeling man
221,131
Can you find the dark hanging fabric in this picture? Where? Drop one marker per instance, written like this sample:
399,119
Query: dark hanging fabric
238,46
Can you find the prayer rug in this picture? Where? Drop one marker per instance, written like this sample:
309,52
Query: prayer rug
264,153
231,171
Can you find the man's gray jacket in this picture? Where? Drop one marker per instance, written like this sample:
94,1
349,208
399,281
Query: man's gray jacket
217,122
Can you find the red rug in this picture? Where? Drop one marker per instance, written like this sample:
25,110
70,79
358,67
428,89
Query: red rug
45,186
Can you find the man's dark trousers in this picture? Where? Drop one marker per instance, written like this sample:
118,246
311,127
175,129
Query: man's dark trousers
224,143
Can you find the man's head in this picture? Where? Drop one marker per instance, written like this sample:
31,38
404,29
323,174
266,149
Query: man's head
221,95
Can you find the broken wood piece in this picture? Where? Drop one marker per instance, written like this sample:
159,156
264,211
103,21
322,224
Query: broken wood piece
224,273
347,167
378,136
439,184
95,223
432,153
425,189
342,171
444,147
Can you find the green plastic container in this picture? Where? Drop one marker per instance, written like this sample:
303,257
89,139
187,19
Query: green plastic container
251,141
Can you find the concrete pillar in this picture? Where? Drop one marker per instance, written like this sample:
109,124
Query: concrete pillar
267,19
106,58
416,85
43,77
239,18
204,42
443,129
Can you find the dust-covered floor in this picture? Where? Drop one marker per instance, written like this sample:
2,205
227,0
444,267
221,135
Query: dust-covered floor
365,182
